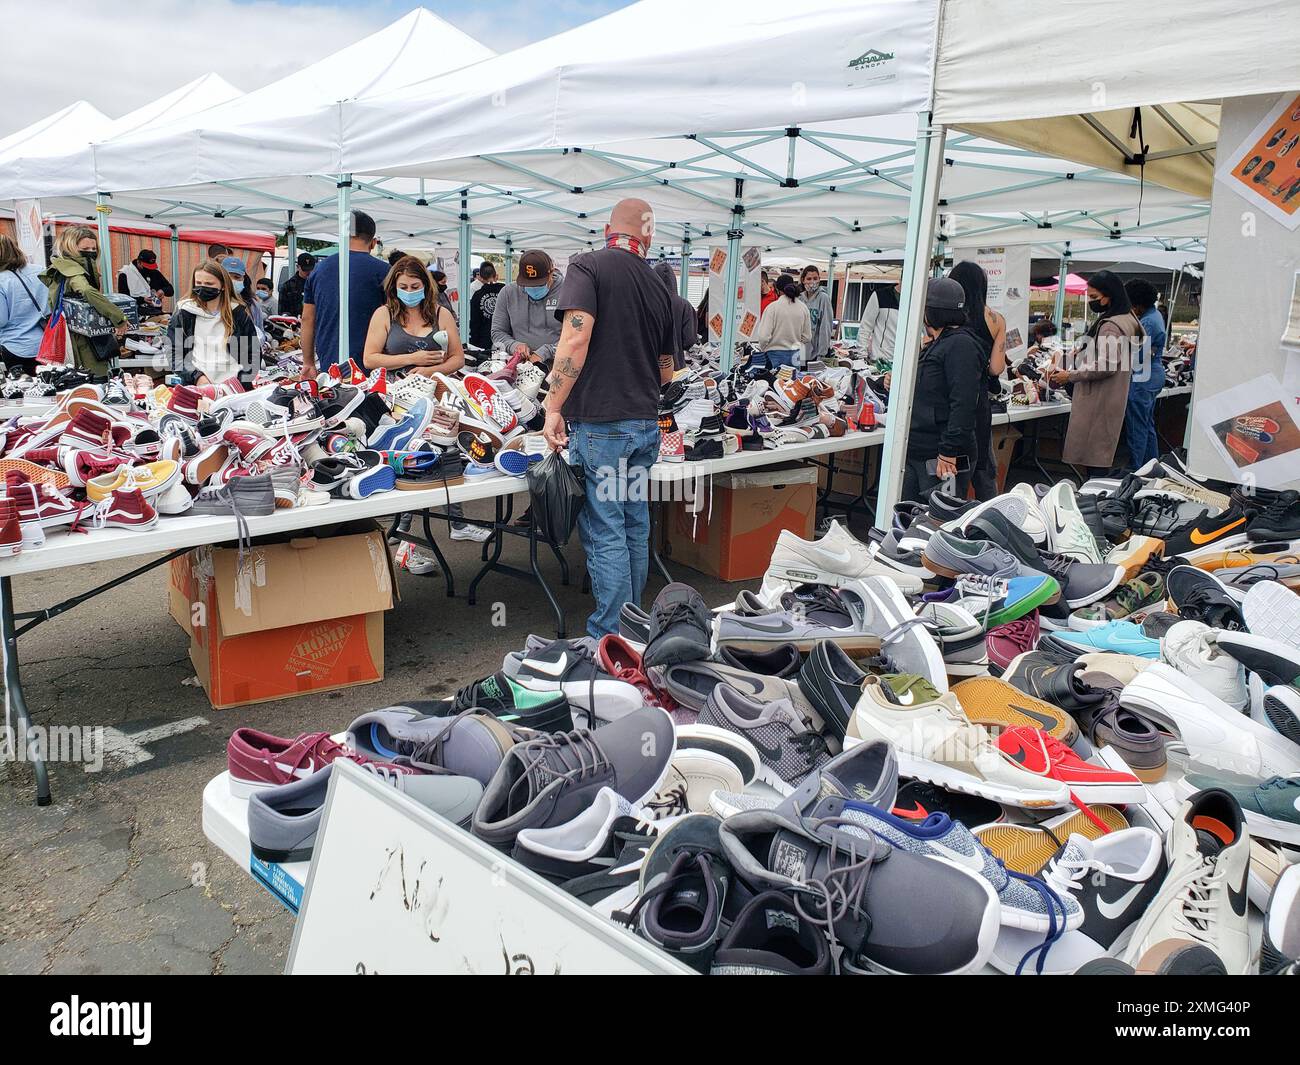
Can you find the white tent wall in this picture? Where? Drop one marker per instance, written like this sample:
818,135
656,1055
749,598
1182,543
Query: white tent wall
1246,299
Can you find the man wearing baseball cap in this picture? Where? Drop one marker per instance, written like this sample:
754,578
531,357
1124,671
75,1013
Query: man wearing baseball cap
523,321
142,279
941,442
290,302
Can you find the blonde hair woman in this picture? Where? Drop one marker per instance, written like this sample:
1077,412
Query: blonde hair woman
75,267
212,334
22,305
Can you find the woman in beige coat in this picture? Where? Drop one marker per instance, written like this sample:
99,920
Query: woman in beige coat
1098,371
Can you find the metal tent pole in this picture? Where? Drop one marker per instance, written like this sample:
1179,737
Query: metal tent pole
291,243
830,282
509,261
176,265
683,282
102,211
462,303
732,278
922,211
1063,271
345,252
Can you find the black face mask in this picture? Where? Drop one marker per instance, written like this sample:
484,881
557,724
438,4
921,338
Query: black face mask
207,293
90,256
1096,306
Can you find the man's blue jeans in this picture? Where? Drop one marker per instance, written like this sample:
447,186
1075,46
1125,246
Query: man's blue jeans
615,521
1140,418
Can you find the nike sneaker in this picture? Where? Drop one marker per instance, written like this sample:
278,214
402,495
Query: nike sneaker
1112,879
572,669
1067,531
866,774
1034,750
1273,610
772,936
691,683
1273,661
680,627
1143,591
996,601
1201,596
835,559
936,742
1203,898
831,681
1271,808
1135,553
1280,520
1120,637
811,613
906,646
1193,649
504,698
786,741
960,638
1206,530
997,705
1028,848
918,799
1279,706
1279,952
258,760
1007,642
1033,524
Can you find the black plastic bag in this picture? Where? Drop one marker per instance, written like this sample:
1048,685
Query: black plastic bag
557,492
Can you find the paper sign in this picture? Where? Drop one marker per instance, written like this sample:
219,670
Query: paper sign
1253,430
1265,172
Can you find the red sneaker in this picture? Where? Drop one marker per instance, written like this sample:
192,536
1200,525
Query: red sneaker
126,508
355,375
1034,750
248,439
40,503
185,401
259,760
1005,642
622,661
11,531
83,464
378,383
335,374
87,429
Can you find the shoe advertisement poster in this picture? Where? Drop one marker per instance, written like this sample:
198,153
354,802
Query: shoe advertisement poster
1266,172
748,292
1254,431
1007,270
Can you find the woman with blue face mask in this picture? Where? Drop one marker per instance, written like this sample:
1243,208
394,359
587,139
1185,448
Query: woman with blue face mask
412,330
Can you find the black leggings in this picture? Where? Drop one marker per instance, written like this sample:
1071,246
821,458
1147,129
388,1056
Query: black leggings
984,476
919,482
17,362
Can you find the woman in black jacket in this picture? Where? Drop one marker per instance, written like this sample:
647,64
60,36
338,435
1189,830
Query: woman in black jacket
941,440
212,334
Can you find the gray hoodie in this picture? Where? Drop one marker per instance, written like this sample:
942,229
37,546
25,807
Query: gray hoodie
519,320
823,321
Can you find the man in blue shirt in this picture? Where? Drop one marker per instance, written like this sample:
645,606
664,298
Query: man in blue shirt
320,299
1147,377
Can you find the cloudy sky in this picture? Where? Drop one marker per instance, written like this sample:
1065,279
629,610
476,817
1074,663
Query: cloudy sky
119,54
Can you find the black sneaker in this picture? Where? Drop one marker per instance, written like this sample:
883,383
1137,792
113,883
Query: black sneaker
500,696
772,937
704,448
1200,596
569,668
1042,676
783,661
1092,517
681,627
945,507
1204,530
1278,521
634,623
1164,516
832,682
684,885
919,799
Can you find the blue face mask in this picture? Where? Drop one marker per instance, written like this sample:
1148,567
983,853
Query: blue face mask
412,297
537,292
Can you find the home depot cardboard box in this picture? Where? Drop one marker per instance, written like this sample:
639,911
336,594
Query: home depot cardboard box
284,619
180,574
734,540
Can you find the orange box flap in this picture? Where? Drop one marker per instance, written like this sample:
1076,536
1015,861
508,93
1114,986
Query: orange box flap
309,579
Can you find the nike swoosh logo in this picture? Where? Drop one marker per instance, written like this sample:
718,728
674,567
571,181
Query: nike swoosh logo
1115,908
1059,527
916,813
301,771
1198,537
781,625
553,669
970,861
1237,898
1046,721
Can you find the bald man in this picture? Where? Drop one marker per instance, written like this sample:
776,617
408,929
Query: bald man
618,339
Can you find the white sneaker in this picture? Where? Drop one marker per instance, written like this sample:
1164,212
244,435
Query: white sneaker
1203,899
1189,646
414,561
476,533
1216,736
936,742
836,559
1010,505
1273,610
1067,533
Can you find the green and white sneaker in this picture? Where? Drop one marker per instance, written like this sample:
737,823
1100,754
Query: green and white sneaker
1143,591
1272,808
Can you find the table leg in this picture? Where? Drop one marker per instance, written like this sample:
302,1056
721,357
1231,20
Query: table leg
14,690
497,542
433,547
655,557
537,574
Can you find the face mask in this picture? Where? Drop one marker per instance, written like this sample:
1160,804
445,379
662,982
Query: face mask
263,293
411,297
206,293
1096,306
536,292
811,286
92,254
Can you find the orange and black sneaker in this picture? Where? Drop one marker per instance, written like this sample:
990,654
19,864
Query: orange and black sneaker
1205,530
997,705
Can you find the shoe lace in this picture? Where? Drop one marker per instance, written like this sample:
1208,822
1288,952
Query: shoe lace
1050,889
573,756
426,755
992,588
683,861
1197,893
842,890
1203,603
1023,631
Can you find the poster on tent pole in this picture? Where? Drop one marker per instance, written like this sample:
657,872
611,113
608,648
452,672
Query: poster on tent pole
1266,170
449,264
1007,269
30,235
748,292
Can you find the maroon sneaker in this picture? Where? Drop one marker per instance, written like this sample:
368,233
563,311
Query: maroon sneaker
11,532
248,439
87,428
82,464
184,402
40,503
259,760
126,508
1007,641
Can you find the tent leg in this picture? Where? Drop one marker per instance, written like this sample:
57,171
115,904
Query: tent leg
102,211
462,282
922,210
684,281
176,265
291,244
509,262
1062,273
732,279
345,248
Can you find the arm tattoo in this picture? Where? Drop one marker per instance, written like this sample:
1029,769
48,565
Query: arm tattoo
577,321
565,368
665,362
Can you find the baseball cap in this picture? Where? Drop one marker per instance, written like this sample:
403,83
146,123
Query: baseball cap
534,268
233,265
306,261
944,294
147,256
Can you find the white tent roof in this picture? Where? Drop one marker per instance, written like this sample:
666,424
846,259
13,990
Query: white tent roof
291,126
70,170
58,135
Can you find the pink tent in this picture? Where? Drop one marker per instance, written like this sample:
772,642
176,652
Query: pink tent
1074,285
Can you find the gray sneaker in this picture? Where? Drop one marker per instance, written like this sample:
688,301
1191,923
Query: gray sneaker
550,779
244,497
865,773
881,904
283,821
1272,808
950,556
787,743
468,744
906,645
807,615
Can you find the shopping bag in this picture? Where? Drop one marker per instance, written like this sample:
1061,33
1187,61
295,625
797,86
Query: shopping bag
54,349
557,493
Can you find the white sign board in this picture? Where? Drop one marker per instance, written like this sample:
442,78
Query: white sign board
394,888
748,292
30,235
1007,270
449,264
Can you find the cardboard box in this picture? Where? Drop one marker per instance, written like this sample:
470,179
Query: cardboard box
734,541
180,592
271,622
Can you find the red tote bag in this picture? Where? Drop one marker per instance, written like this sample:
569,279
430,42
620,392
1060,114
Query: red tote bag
54,350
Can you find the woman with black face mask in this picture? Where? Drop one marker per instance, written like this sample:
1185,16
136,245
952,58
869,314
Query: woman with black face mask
1098,373
212,334
75,268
